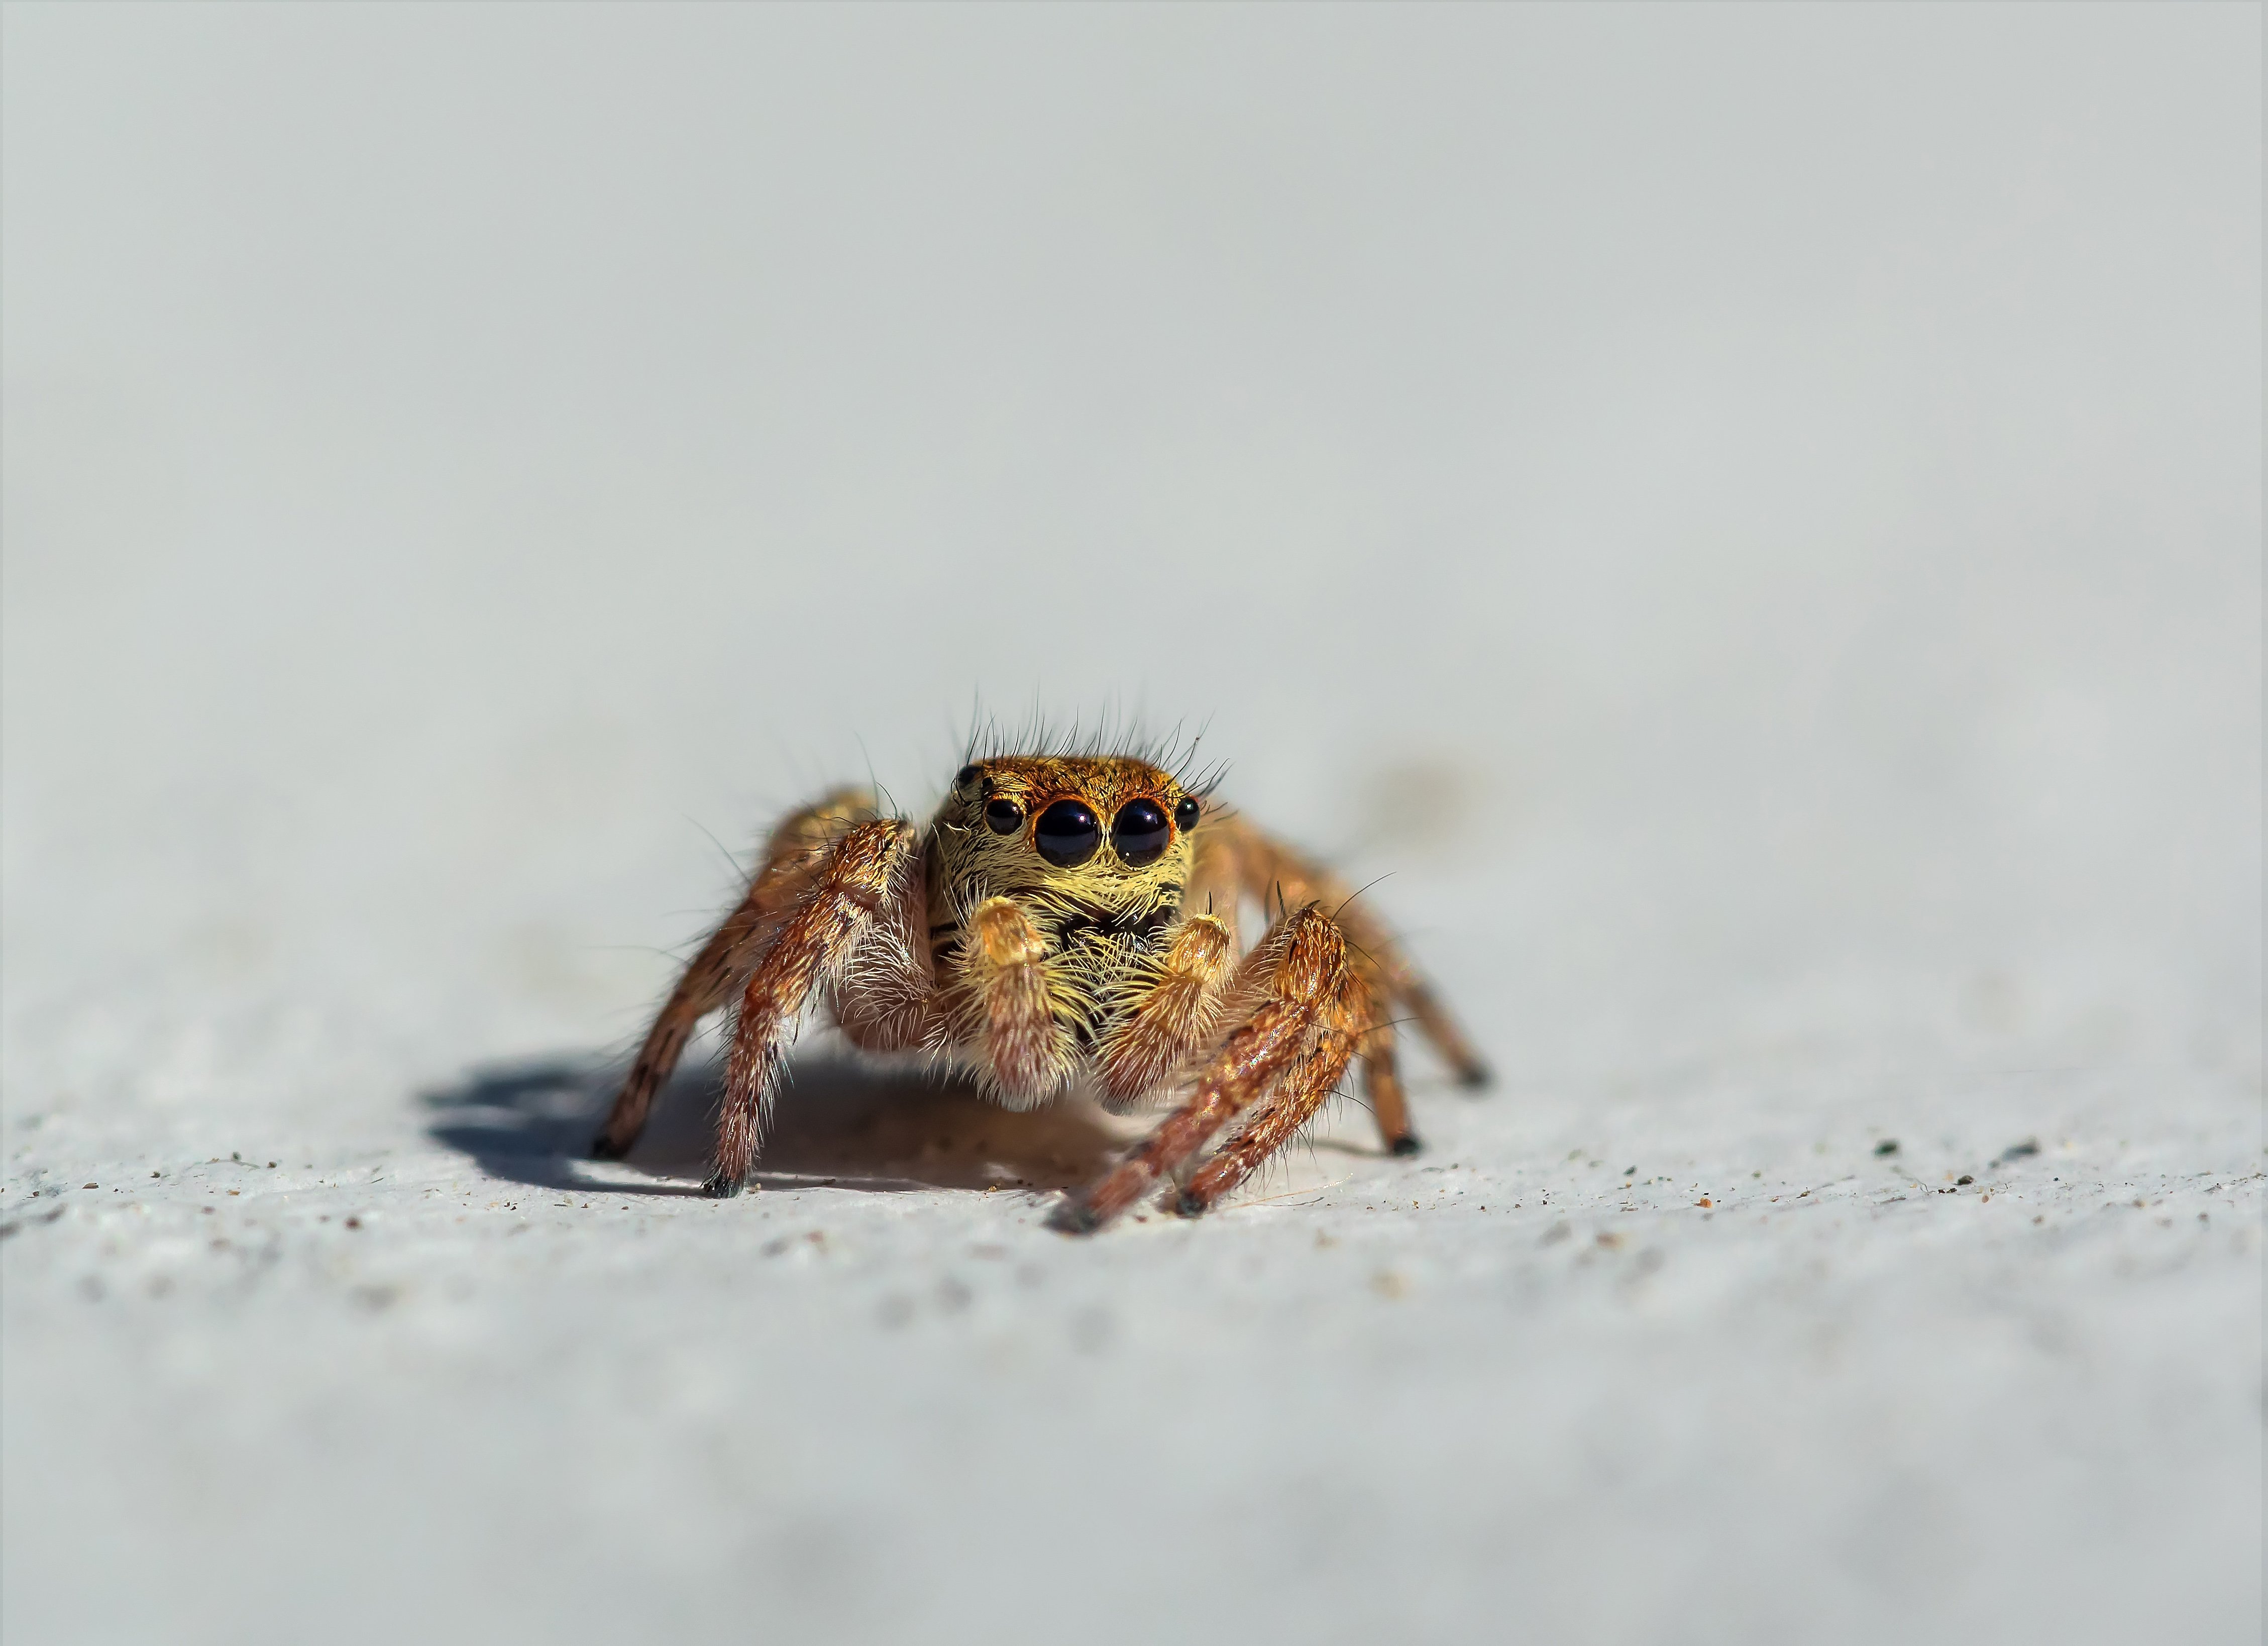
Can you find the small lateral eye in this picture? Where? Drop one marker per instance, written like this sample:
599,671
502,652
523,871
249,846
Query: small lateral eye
1003,815
1185,814
1139,834
966,776
1067,834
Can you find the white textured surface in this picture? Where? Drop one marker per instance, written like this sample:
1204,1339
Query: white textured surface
1750,518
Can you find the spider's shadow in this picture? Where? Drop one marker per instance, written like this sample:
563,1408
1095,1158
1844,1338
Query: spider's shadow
837,1120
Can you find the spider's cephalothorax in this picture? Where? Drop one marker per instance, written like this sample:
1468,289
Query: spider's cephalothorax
1091,858
1062,919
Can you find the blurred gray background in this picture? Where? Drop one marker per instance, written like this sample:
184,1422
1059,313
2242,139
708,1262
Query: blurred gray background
1751,516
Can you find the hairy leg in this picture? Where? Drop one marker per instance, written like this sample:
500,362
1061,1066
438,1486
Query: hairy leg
850,883
1303,1090
887,998
1284,994
1381,1083
721,967
1272,871
1434,1022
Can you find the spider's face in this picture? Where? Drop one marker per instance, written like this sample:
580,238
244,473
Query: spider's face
1109,829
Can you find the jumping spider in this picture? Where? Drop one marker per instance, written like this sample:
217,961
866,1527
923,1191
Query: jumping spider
1063,918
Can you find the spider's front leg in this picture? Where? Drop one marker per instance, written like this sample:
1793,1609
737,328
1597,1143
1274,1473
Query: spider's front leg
850,886
721,970
1297,992
1305,1087
1269,870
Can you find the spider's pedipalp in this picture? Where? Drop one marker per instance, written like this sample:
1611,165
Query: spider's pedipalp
1170,1008
1008,979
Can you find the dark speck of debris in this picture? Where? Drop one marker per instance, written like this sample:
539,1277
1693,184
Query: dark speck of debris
1888,1146
2017,1151
354,1222
90,1185
1964,1178
1629,1172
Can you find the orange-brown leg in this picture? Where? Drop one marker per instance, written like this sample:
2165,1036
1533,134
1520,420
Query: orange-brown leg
721,967
1438,1026
887,998
1303,1090
1381,1083
1292,980
1172,1013
849,885
1272,870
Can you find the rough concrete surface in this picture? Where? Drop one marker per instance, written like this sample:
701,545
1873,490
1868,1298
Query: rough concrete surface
1743,524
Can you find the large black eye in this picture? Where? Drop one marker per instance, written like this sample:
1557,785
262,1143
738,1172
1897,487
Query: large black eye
1140,833
1003,815
1186,814
1067,834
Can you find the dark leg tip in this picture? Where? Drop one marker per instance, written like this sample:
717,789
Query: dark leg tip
720,1187
1406,1144
1074,1217
604,1147
1476,1077
1190,1206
